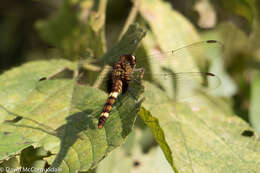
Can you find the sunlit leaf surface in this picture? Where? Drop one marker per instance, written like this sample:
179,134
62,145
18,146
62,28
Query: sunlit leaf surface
44,104
60,116
195,136
200,132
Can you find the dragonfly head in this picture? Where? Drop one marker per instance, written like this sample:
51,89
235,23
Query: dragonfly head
129,58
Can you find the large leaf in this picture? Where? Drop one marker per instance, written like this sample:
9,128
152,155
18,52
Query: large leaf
61,117
126,45
17,86
200,134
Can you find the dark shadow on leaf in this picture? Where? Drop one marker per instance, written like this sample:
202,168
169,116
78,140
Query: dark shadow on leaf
70,132
78,125
136,163
127,120
6,133
247,133
15,120
61,74
64,73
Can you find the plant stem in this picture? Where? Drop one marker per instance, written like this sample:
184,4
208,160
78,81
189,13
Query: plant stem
103,73
131,17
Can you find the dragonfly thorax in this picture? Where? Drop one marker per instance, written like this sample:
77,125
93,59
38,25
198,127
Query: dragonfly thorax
123,69
125,59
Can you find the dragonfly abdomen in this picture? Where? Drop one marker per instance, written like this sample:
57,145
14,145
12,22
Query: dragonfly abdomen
116,90
121,75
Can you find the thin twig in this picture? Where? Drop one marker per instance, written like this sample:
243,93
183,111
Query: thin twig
131,17
99,80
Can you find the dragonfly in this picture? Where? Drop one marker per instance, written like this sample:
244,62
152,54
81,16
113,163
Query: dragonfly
124,70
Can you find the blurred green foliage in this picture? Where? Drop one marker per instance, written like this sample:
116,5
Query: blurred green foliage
89,30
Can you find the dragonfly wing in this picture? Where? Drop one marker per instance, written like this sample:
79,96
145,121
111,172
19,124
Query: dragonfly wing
183,59
180,86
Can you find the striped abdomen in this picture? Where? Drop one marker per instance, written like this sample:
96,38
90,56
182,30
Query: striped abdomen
116,89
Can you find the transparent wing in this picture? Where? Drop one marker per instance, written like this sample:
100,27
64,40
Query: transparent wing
176,72
182,59
180,86
208,48
191,58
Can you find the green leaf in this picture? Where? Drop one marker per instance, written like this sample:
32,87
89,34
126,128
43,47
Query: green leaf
126,45
33,157
81,130
255,101
61,116
11,143
16,87
199,134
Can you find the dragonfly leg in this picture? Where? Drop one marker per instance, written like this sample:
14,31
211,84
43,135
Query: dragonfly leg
140,74
137,80
140,70
132,93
